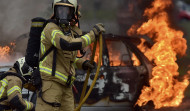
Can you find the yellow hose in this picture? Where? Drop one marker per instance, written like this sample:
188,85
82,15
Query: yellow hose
88,73
82,100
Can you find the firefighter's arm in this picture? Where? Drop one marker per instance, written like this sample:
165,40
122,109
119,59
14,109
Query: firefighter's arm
14,94
61,41
80,63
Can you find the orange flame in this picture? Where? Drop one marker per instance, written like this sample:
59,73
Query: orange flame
5,52
143,49
115,56
165,89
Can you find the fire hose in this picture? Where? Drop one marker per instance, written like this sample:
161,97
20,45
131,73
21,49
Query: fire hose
83,96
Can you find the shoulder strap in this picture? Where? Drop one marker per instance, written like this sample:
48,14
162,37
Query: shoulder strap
46,53
54,62
54,58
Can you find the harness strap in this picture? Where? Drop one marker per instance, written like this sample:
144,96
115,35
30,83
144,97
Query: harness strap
54,58
47,52
54,62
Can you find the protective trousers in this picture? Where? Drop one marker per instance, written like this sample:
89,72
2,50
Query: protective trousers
55,92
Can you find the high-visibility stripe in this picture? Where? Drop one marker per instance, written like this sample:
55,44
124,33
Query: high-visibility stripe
28,105
53,34
37,24
4,83
43,49
13,89
57,74
75,63
2,89
42,36
42,46
87,39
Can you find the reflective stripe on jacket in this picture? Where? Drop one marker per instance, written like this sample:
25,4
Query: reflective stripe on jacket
4,83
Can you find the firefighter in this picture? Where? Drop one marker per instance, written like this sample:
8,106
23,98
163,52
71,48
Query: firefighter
11,84
57,70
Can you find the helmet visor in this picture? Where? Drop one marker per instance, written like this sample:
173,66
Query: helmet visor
64,12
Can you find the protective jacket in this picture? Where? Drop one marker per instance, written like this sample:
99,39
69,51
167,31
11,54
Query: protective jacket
11,94
67,45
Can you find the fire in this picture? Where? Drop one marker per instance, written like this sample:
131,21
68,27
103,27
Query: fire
5,52
89,50
165,89
143,49
115,55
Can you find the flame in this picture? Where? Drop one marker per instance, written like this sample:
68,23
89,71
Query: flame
89,50
5,52
114,56
165,89
143,49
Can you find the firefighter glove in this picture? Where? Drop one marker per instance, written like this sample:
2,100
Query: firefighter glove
98,28
87,65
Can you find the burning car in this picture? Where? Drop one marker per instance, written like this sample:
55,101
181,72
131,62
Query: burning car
120,81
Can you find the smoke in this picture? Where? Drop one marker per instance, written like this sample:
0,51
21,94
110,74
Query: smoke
12,58
15,20
16,15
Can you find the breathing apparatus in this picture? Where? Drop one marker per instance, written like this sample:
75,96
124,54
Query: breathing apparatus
66,12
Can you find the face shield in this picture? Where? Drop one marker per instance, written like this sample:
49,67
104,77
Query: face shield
64,14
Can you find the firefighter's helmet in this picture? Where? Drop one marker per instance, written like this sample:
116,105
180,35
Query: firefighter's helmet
69,3
23,69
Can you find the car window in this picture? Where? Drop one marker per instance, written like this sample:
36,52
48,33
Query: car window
89,53
119,54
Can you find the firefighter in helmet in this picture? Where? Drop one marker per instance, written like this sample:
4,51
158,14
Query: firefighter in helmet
11,84
57,70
